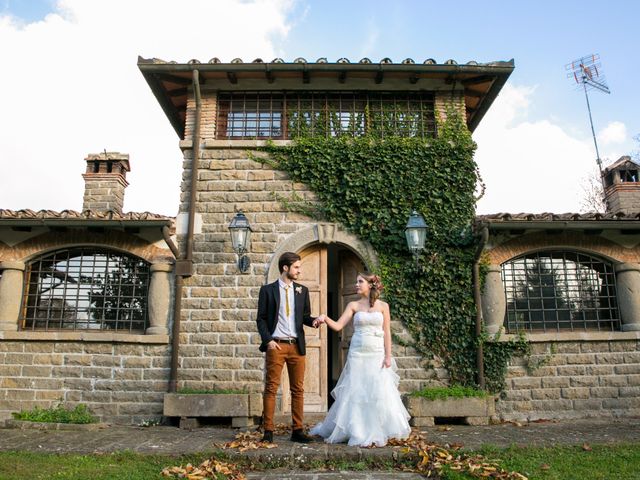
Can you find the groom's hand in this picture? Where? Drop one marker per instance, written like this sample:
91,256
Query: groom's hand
318,321
272,345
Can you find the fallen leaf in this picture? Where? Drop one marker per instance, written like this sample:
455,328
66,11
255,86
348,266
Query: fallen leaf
586,447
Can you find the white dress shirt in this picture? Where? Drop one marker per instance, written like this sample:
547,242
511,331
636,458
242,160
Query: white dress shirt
286,327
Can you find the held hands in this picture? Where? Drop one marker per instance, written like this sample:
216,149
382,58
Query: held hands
319,321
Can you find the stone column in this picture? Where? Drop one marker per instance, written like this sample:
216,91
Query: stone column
10,294
159,299
493,300
628,286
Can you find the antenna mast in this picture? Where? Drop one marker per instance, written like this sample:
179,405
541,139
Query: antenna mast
587,71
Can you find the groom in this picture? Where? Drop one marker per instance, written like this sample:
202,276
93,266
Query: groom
283,308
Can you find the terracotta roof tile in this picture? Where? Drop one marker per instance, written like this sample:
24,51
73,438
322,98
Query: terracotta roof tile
84,215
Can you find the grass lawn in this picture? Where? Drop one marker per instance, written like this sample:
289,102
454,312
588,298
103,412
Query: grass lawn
610,462
110,466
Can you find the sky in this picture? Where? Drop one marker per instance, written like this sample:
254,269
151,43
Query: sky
70,85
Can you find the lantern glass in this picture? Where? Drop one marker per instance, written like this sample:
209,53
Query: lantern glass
240,233
416,232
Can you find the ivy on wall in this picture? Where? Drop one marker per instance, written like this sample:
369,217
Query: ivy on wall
370,185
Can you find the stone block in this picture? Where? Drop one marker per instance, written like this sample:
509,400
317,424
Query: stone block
555,382
242,422
604,392
228,363
30,371
571,370
545,394
581,359
585,381
614,381
206,405
526,382
629,391
573,393
450,407
630,369
610,358
39,347
422,421
594,347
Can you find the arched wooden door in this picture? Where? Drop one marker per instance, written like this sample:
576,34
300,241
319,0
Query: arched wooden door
349,267
314,277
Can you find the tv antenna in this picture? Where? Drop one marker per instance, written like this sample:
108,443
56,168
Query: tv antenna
587,71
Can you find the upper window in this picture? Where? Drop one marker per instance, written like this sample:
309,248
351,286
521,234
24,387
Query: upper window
289,115
86,289
560,290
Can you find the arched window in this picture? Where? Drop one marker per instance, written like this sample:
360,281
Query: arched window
560,290
86,288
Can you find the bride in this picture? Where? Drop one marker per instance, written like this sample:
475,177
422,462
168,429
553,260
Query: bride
367,408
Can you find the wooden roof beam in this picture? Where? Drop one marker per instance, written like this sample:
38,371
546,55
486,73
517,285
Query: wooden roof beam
167,77
178,92
479,79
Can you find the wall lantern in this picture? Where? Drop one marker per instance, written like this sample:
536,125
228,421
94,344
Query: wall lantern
240,233
416,233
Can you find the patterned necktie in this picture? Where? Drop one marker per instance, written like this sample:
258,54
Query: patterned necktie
286,300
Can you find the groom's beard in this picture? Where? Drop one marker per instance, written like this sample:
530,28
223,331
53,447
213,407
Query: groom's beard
291,276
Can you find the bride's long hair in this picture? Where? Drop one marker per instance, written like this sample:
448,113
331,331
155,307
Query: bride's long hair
375,286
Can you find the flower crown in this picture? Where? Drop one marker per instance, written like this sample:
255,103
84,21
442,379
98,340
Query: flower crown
376,283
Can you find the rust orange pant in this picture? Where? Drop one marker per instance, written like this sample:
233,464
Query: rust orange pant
276,359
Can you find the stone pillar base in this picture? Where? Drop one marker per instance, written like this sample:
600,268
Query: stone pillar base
153,331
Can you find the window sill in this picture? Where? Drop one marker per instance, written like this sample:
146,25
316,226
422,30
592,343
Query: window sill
85,337
231,143
571,336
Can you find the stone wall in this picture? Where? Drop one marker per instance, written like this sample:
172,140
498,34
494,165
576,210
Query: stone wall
574,379
121,377
119,382
219,338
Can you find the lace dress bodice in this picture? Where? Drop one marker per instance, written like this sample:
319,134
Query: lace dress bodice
368,336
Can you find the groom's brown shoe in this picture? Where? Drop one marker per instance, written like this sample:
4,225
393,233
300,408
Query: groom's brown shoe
300,437
268,436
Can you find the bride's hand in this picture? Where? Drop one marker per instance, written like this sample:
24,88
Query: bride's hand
387,362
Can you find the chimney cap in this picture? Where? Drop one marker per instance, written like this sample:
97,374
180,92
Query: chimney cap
122,158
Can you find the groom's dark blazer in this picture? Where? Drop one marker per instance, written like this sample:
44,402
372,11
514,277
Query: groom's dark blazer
269,305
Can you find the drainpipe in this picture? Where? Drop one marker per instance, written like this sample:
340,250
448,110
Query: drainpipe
184,266
483,238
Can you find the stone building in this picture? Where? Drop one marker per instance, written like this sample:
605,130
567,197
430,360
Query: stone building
85,302
222,113
571,284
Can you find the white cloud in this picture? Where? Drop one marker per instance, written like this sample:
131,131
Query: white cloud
614,132
71,87
529,166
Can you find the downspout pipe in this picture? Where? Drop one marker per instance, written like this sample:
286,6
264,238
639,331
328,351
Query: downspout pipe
184,266
483,237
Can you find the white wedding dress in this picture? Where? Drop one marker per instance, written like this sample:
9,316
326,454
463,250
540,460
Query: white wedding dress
367,409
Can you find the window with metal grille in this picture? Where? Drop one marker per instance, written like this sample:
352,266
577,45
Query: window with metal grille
86,289
284,115
560,290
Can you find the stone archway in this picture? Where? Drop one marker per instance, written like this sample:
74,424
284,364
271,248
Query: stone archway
324,233
313,244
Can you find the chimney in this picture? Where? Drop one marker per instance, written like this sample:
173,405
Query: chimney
622,186
105,181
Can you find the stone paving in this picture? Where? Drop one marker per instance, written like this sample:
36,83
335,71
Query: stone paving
175,441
